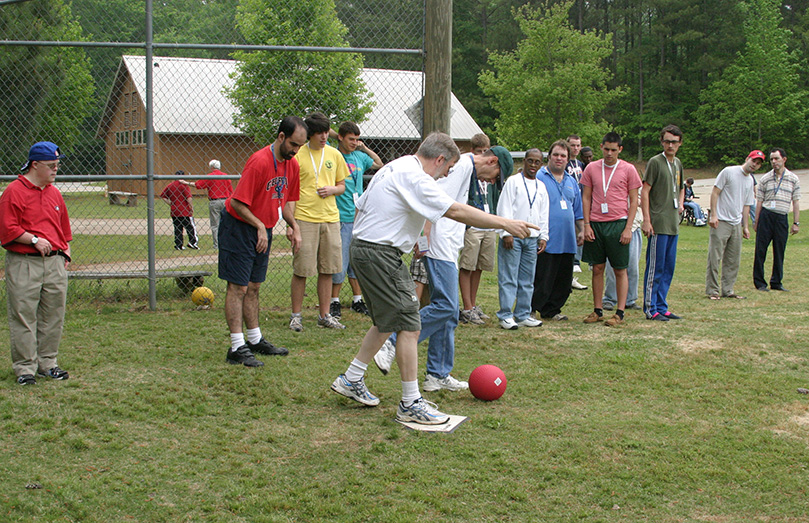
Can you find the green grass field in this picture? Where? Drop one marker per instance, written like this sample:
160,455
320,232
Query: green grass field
697,420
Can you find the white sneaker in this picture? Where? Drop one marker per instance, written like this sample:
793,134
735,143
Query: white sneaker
509,324
385,356
357,391
577,268
421,411
432,383
530,322
296,323
482,315
329,322
578,286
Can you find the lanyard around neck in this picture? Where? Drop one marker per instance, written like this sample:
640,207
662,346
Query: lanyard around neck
275,161
606,184
317,169
528,194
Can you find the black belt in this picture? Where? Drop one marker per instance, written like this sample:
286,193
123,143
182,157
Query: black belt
52,253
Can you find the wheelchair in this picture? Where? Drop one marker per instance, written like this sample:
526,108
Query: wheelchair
689,217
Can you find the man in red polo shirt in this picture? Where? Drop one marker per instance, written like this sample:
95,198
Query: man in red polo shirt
35,231
267,191
178,197
218,192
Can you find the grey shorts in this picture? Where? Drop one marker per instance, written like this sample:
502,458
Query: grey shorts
387,287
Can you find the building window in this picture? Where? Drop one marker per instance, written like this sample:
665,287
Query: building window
126,100
126,120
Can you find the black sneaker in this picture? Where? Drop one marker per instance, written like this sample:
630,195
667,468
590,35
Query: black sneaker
265,347
336,310
193,246
27,379
55,373
244,356
360,308
178,247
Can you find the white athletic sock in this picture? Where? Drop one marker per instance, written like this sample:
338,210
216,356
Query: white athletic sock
254,335
236,340
335,300
357,297
410,392
356,370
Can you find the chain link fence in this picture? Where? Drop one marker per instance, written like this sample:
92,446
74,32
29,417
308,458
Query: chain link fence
197,80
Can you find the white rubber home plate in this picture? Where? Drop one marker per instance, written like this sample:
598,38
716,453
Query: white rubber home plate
450,426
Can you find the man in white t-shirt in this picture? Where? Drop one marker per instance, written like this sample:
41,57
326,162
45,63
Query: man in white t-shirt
445,238
731,198
390,216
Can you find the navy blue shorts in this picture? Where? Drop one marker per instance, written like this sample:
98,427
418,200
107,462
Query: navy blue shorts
239,263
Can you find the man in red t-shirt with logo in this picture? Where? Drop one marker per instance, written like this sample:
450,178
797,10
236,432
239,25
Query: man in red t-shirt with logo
178,196
35,231
218,191
267,190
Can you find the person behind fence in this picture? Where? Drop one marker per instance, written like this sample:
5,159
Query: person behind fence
178,196
323,174
359,158
35,231
218,192
390,216
269,187
523,198
731,198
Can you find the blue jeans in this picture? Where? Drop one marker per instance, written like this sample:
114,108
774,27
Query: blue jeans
632,273
439,319
346,230
515,275
694,206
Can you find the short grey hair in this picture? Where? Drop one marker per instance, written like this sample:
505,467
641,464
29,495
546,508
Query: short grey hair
439,144
214,164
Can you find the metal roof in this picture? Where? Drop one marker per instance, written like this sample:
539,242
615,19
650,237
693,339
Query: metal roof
189,99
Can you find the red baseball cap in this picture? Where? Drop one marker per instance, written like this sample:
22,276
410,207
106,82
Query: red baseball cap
757,154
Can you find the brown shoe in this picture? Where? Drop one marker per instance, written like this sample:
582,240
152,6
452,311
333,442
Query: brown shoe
593,318
615,321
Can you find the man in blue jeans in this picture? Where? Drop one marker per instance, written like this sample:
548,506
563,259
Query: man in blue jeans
445,238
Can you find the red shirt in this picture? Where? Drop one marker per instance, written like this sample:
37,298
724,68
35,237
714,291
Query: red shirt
24,207
263,189
217,189
178,195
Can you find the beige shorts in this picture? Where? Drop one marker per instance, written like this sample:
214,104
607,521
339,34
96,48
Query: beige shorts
321,250
478,250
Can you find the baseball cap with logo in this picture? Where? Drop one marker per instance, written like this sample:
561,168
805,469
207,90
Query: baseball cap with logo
42,152
757,155
505,160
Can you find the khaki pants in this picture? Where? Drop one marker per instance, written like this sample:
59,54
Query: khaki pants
36,290
725,249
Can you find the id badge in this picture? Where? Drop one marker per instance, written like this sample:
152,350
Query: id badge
424,244
604,208
356,198
770,205
563,204
676,203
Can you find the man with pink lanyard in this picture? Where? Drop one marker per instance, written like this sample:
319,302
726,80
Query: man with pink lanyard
609,202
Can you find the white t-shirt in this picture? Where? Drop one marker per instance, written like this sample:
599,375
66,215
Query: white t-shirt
737,191
525,199
393,208
447,235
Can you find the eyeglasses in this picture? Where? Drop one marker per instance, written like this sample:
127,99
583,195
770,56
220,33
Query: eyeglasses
670,142
52,166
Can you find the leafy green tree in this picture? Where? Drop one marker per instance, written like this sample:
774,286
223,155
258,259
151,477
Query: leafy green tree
271,85
45,92
553,84
757,100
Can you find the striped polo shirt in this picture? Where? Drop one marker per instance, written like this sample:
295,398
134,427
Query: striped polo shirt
777,194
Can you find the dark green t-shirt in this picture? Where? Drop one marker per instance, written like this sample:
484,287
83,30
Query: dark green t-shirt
666,180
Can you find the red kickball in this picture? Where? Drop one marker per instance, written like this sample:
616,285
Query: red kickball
487,383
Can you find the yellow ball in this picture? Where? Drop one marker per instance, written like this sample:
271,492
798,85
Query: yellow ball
202,296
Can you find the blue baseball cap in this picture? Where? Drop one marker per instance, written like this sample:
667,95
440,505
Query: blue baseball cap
42,152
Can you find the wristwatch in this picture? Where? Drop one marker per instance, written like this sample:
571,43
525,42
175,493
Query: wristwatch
34,240
796,223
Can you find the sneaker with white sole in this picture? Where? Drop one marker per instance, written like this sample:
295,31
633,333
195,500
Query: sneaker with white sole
296,323
336,309
329,322
530,322
576,268
421,411
385,356
360,308
356,390
509,324
54,373
433,383
578,286
471,317
482,315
